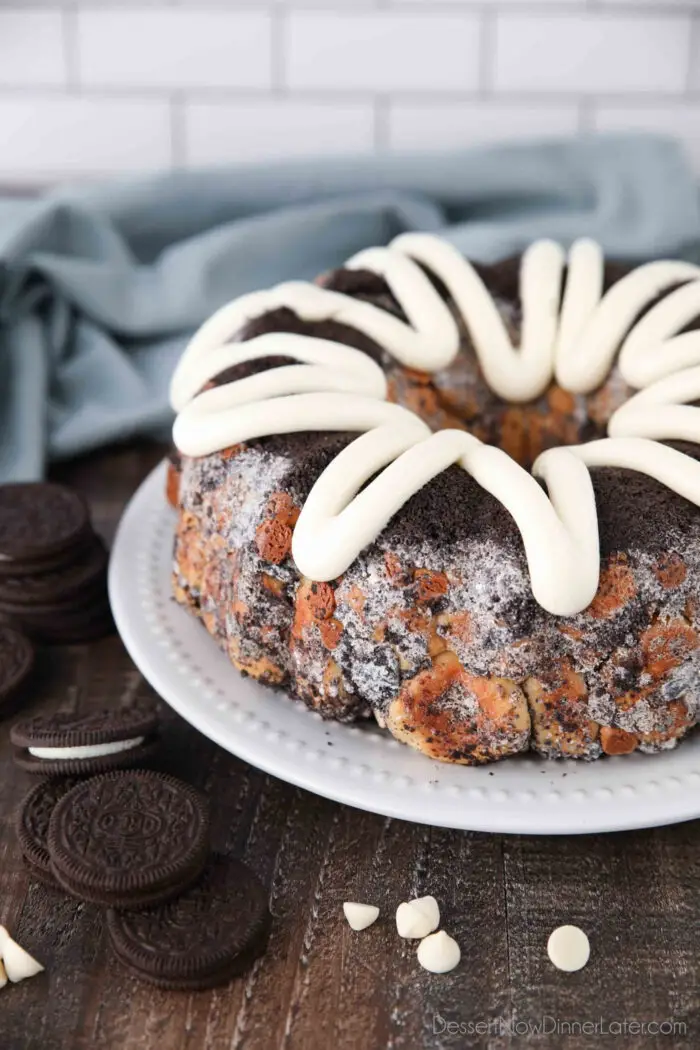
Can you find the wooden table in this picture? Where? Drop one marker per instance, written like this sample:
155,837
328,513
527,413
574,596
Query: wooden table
320,985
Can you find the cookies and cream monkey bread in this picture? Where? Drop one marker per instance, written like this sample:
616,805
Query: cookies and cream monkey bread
459,499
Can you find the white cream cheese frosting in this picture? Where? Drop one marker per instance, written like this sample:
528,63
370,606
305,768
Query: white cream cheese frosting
570,333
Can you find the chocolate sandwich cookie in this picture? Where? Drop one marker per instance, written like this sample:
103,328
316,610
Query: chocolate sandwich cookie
32,824
16,663
82,745
129,839
63,624
83,578
41,524
210,934
96,624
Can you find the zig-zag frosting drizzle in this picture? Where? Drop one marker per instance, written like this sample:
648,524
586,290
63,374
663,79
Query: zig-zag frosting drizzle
571,337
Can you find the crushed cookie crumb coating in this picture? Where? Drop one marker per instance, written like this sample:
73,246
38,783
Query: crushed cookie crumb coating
433,630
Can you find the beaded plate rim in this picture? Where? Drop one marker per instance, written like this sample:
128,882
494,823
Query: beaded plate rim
362,766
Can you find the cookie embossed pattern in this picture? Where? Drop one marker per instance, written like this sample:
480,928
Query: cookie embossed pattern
363,767
128,839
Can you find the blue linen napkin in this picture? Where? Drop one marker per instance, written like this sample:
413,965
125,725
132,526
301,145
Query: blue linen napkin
100,286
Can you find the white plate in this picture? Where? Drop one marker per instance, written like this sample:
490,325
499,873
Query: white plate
359,765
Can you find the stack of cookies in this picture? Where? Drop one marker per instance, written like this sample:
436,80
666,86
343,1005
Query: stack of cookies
53,566
136,843
16,663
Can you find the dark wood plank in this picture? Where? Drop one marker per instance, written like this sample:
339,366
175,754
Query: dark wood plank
320,985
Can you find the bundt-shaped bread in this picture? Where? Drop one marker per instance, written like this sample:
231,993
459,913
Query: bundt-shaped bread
433,629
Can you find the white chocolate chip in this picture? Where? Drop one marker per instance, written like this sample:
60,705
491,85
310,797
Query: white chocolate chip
3,975
417,918
439,952
360,916
568,948
18,964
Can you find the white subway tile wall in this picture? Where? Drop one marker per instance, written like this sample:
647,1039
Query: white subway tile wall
31,48
396,51
93,87
590,53
694,78
49,138
446,125
217,133
174,49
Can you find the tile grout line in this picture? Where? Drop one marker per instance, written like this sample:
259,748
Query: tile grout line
639,9
381,123
331,96
71,48
178,133
487,54
279,39
693,54
586,116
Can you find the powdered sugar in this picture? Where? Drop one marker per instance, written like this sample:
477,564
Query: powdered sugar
486,616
